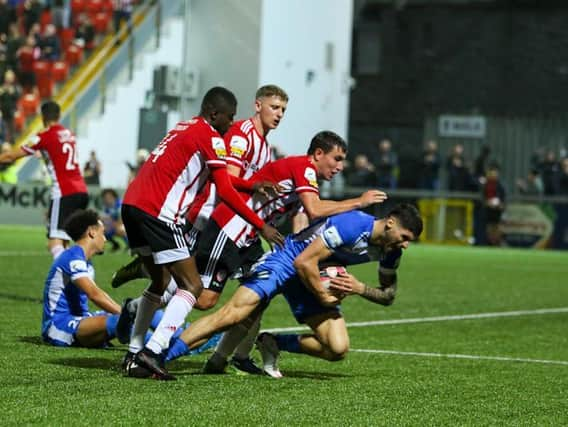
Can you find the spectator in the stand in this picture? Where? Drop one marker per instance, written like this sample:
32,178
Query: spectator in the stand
61,13
111,218
141,156
92,170
7,16
481,162
430,167
122,13
2,129
386,165
14,43
84,31
31,14
49,44
562,183
549,171
276,153
493,194
9,94
27,55
532,185
3,53
362,174
459,176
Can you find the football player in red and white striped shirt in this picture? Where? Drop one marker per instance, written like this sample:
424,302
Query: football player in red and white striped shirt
154,210
248,149
58,148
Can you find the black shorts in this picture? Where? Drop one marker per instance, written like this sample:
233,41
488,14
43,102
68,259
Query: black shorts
150,236
218,258
60,209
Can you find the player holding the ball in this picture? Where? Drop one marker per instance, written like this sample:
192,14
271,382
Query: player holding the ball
345,239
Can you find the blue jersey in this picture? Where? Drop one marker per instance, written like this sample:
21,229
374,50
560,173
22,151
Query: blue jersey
346,235
60,295
113,212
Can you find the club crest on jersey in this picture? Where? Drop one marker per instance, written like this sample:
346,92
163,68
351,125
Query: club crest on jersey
311,176
219,147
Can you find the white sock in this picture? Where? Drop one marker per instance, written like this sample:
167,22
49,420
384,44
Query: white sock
174,316
148,305
170,291
245,347
231,339
56,251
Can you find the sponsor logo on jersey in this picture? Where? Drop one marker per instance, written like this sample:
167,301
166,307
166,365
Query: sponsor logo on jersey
219,146
311,176
238,146
332,237
77,265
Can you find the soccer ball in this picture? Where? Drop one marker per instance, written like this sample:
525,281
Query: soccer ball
329,273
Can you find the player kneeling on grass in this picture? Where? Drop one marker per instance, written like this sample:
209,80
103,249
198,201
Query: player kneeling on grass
71,284
294,270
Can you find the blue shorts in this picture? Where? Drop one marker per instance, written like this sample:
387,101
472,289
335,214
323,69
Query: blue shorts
275,274
61,330
268,277
302,302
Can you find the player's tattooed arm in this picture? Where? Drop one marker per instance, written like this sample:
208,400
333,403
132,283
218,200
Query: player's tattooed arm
383,294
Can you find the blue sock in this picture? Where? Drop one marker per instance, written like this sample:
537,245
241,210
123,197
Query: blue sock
289,342
111,322
156,319
177,349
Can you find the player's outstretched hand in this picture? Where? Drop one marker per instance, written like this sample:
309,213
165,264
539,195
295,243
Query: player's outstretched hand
272,235
346,284
267,188
371,197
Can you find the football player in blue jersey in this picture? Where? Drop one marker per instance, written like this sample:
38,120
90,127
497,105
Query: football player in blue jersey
71,284
294,270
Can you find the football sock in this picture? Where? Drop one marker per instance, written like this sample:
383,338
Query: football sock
111,322
231,339
289,342
56,251
245,347
177,349
169,292
174,316
146,309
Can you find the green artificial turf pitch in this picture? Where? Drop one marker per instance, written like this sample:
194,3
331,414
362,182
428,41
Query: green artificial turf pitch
476,336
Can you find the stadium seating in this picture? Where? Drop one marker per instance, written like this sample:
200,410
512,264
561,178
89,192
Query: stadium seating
101,22
66,36
74,55
28,105
59,71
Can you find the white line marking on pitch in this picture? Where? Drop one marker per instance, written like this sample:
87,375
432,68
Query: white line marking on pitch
438,318
462,356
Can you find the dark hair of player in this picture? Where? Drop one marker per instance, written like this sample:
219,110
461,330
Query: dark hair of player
408,217
218,99
271,90
326,140
50,111
110,191
79,221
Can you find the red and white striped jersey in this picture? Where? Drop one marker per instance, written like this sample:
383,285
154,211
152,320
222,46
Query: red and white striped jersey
248,150
295,175
177,170
59,150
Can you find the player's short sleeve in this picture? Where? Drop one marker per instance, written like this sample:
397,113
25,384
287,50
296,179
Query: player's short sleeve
237,147
347,229
306,178
76,268
214,150
34,144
